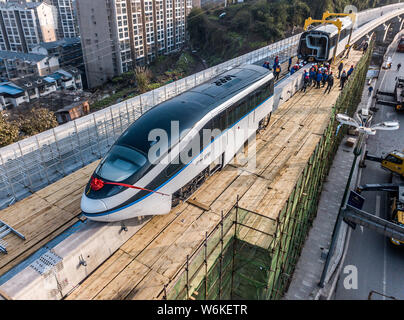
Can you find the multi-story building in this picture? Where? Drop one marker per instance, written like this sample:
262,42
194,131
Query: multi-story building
24,25
117,35
67,50
19,64
66,18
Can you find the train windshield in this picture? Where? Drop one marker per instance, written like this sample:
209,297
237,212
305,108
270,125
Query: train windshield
120,163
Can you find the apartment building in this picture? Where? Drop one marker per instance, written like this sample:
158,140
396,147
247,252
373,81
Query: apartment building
24,25
66,18
117,35
19,64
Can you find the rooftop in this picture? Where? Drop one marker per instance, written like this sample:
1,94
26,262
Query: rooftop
9,88
31,57
60,43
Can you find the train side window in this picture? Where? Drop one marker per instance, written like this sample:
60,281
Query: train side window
223,122
231,115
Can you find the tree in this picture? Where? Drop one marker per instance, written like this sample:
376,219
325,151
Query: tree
142,76
9,132
197,26
37,120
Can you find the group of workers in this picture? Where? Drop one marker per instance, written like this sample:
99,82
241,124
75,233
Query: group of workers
319,74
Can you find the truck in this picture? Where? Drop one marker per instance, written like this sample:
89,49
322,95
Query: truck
395,212
393,161
397,94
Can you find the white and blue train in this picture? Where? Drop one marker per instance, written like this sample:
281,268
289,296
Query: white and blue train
318,44
127,183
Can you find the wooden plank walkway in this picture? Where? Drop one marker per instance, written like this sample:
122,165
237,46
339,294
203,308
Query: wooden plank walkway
42,216
153,256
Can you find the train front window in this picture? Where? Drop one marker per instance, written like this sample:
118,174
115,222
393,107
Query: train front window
121,163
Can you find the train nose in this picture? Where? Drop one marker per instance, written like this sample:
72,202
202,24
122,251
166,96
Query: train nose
92,205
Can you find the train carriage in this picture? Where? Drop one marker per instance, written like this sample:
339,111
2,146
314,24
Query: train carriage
132,181
318,44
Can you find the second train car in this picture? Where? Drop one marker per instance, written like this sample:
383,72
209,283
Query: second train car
318,44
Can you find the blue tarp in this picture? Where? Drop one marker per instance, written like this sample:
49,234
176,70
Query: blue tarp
6,88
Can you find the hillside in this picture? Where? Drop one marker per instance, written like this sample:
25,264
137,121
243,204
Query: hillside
220,34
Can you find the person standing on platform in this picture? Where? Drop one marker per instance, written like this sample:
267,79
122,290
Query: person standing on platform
344,78
350,71
290,63
319,78
277,72
330,83
340,68
306,80
365,47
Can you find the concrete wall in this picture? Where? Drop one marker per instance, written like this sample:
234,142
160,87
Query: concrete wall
97,42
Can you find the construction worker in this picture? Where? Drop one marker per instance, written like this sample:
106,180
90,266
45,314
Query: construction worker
344,78
330,83
340,68
306,80
325,77
350,71
365,47
312,74
277,71
319,78
266,64
348,48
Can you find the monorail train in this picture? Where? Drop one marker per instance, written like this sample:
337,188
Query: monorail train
129,182
318,44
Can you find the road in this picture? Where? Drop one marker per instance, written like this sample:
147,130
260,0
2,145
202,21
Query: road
380,266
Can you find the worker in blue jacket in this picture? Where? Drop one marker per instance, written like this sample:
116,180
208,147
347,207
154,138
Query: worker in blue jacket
319,78
325,77
350,71
312,75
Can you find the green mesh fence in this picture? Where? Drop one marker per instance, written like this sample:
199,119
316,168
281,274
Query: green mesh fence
250,256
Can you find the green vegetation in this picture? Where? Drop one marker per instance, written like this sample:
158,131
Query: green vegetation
32,122
256,23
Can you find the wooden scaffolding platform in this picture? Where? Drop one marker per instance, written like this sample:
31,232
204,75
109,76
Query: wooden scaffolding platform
42,216
152,257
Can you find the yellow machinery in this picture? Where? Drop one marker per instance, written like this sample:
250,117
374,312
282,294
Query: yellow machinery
337,23
396,196
393,162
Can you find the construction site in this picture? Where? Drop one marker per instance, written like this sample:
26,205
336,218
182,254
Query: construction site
239,236
260,217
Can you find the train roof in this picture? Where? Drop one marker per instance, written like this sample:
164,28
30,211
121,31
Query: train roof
330,28
189,107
